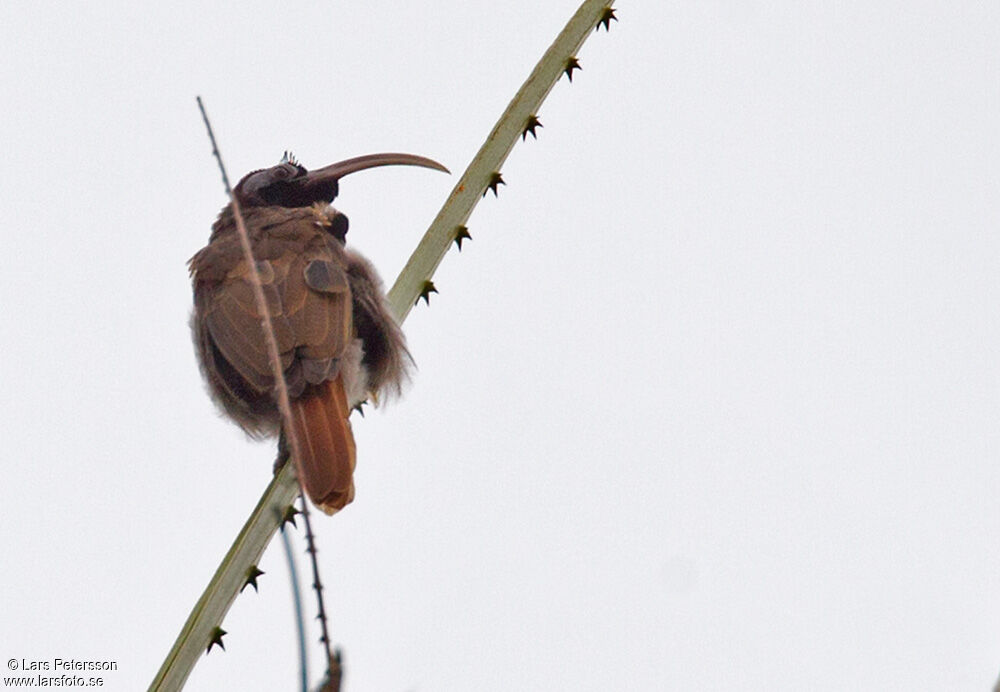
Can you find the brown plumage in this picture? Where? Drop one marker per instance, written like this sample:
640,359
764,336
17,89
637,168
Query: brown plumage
337,339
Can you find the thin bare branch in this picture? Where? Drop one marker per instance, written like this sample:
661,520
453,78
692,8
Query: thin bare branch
317,584
300,625
219,596
273,354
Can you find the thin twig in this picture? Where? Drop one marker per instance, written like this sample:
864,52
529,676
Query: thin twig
273,355
299,620
274,358
317,584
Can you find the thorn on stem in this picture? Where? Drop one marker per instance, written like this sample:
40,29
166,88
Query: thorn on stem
289,516
571,64
495,179
461,233
533,122
425,292
252,575
605,19
216,640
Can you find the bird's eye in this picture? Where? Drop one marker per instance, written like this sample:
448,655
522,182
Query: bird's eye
277,174
275,185
292,170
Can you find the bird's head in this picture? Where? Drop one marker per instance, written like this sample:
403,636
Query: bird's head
289,184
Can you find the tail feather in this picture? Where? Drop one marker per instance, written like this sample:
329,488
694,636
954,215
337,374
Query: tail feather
326,445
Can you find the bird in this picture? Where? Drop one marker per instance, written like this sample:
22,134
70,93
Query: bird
338,341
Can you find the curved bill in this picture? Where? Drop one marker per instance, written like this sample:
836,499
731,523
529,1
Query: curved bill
338,170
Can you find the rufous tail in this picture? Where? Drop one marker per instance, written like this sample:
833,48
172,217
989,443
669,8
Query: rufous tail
326,445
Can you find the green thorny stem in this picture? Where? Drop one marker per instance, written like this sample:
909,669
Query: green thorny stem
414,281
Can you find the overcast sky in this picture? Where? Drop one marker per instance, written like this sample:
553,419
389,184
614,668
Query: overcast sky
709,402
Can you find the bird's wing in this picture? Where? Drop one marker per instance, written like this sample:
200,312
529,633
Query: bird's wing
307,296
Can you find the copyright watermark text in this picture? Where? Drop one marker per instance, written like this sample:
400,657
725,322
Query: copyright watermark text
57,672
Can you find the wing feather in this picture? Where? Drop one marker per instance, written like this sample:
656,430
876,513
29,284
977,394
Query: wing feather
302,270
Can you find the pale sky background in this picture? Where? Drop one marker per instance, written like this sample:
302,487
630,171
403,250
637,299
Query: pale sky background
709,402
